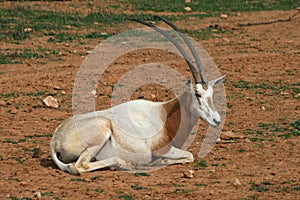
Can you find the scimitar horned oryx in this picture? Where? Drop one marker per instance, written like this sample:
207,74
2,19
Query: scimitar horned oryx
97,140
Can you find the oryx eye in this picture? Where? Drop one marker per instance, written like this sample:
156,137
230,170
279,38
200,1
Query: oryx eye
198,95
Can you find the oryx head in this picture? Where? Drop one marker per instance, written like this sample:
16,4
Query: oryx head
202,105
202,102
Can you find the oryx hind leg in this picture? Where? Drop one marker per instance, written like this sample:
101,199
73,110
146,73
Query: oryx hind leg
85,162
109,162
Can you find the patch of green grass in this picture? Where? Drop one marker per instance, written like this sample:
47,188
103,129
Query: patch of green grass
224,165
97,178
255,139
205,33
28,54
285,131
15,56
126,197
4,59
258,189
49,135
23,198
47,194
249,85
63,37
36,94
182,191
253,197
291,89
35,152
93,35
290,72
14,142
140,174
22,17
211,6
202,164
9,95
266,183
253,132
200,184
136,187
78,179
99,191
20,160
177,185
15,20
241,150
286,182
296,124
20,22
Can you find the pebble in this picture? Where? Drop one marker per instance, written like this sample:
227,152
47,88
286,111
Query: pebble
229,135
236,182
187,9
50,102
223,16
188,173
3,103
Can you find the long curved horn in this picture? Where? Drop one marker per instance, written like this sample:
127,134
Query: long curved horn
176,44
192,49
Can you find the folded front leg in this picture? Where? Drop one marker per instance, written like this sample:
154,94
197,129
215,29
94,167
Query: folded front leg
174,156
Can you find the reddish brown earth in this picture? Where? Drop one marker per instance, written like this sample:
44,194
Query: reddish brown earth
262,86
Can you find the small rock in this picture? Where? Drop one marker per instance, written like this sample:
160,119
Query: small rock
56,87
187,9
247,140
51,102
3,103
229,135
284,93
223,16
239,14
38,195
188,1
141,96
13,111
27,30
226,40
64,54
94,92
153,96
22,183
236,182
188,173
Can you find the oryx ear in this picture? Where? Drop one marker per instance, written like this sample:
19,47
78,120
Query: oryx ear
188,84
216,81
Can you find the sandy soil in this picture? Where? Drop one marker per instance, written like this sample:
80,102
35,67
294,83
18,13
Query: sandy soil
260,161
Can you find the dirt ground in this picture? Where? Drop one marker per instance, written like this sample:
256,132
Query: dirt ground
260,159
